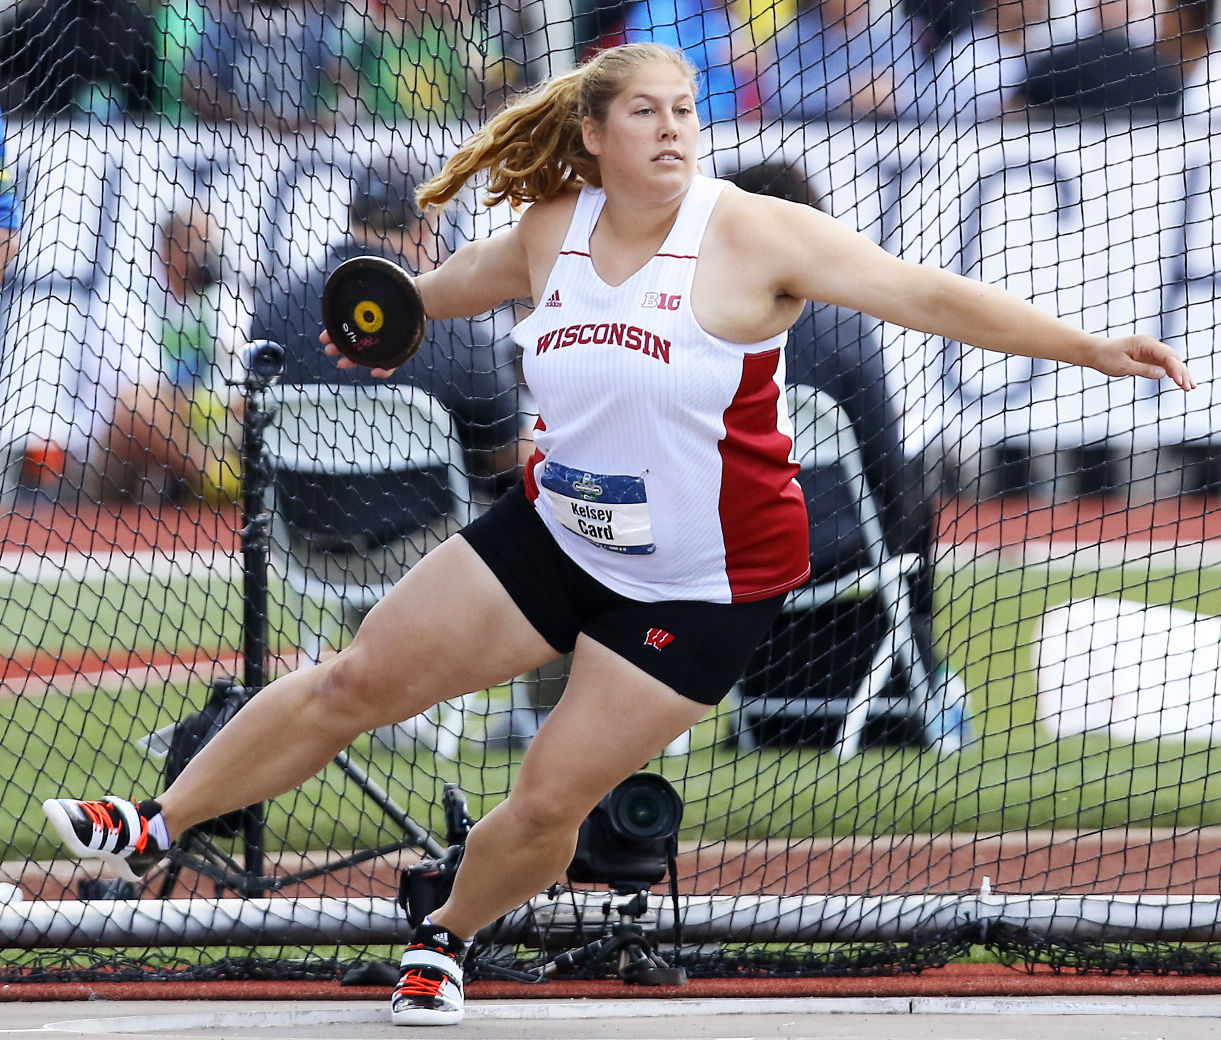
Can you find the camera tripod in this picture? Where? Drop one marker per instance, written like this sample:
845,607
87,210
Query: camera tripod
197,848
627,947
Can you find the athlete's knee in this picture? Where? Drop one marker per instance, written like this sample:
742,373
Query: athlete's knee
371,685
544,813
348,688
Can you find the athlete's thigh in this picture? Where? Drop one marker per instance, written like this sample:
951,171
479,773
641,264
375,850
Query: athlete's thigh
612,719
447,628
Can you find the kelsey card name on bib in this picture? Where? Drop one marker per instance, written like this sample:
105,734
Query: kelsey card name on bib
609,510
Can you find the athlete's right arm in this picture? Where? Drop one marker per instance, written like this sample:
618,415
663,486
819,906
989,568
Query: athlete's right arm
491,271
477,277
510,265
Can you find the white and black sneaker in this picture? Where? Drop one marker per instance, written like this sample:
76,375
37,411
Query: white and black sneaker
429,992
114,830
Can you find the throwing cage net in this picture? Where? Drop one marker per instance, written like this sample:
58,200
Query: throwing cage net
988,720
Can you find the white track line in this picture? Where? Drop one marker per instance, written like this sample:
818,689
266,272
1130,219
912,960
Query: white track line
125,566
1084,556
164,566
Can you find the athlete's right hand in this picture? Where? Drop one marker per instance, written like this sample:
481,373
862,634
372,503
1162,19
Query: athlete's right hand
329,348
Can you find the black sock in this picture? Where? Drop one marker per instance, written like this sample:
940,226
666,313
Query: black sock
429,934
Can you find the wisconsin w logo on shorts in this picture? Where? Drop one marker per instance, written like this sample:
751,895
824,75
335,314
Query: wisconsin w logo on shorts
658,638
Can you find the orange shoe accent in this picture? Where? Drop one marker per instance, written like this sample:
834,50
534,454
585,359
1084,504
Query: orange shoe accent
98,813
415,983
142,840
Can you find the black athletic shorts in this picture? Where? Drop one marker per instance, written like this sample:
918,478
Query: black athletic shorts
698,649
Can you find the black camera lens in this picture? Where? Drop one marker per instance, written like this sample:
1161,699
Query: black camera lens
267,358
625,840
642,813
645,806
263,361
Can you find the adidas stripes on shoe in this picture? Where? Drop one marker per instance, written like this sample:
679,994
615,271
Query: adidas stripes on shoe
113,830
429,992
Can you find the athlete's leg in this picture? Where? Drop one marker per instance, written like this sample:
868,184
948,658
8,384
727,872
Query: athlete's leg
612,719
447,629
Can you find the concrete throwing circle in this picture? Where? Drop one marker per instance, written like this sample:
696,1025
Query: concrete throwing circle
557,1010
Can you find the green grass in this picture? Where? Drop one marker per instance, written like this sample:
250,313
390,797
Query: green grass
1014,777
145,612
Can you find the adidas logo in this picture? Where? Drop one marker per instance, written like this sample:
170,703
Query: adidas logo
554,300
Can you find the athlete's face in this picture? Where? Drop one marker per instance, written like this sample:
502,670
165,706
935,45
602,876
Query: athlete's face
649,139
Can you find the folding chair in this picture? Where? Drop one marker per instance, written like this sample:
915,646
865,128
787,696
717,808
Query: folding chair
824,439
366,480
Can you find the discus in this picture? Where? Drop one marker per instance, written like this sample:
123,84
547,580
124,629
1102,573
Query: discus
373,312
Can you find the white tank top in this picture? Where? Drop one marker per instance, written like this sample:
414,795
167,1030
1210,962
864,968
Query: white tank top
663,464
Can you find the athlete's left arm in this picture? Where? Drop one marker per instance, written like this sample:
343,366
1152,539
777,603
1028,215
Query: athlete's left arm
812,256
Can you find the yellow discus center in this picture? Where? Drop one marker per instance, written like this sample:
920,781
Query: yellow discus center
368,316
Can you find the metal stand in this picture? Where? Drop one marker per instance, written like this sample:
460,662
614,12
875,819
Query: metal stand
197,847
627,947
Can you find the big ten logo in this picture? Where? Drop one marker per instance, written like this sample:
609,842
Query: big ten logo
662,301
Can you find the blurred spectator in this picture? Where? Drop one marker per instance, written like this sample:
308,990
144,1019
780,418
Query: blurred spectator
716,42
979,73
274,64
1136,18
1115,69
840,352
597,24
935,21
1184,37
766,16
839,58
419,60
472,376
534,39
77,56
173,428
178,26
10,208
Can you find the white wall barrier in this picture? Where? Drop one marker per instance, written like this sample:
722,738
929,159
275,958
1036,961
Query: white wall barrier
1115,230
1129,671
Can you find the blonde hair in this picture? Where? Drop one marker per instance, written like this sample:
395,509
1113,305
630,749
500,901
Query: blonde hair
534,150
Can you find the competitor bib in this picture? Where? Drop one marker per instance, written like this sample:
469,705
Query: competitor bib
611,511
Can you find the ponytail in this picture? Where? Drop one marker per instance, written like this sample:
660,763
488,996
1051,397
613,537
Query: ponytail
534,149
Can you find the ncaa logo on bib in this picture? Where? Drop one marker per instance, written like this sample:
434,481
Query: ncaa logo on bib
588,488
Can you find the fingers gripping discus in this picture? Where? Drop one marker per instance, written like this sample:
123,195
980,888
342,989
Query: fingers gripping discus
373,311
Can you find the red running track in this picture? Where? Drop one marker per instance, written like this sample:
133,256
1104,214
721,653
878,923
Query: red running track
954,980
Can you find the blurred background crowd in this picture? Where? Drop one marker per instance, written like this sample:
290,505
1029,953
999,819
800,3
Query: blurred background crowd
285,64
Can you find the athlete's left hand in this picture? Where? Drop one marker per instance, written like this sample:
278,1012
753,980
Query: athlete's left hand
1141,356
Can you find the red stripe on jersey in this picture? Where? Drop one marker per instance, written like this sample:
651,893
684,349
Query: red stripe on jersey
532,464
763,512
672,256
